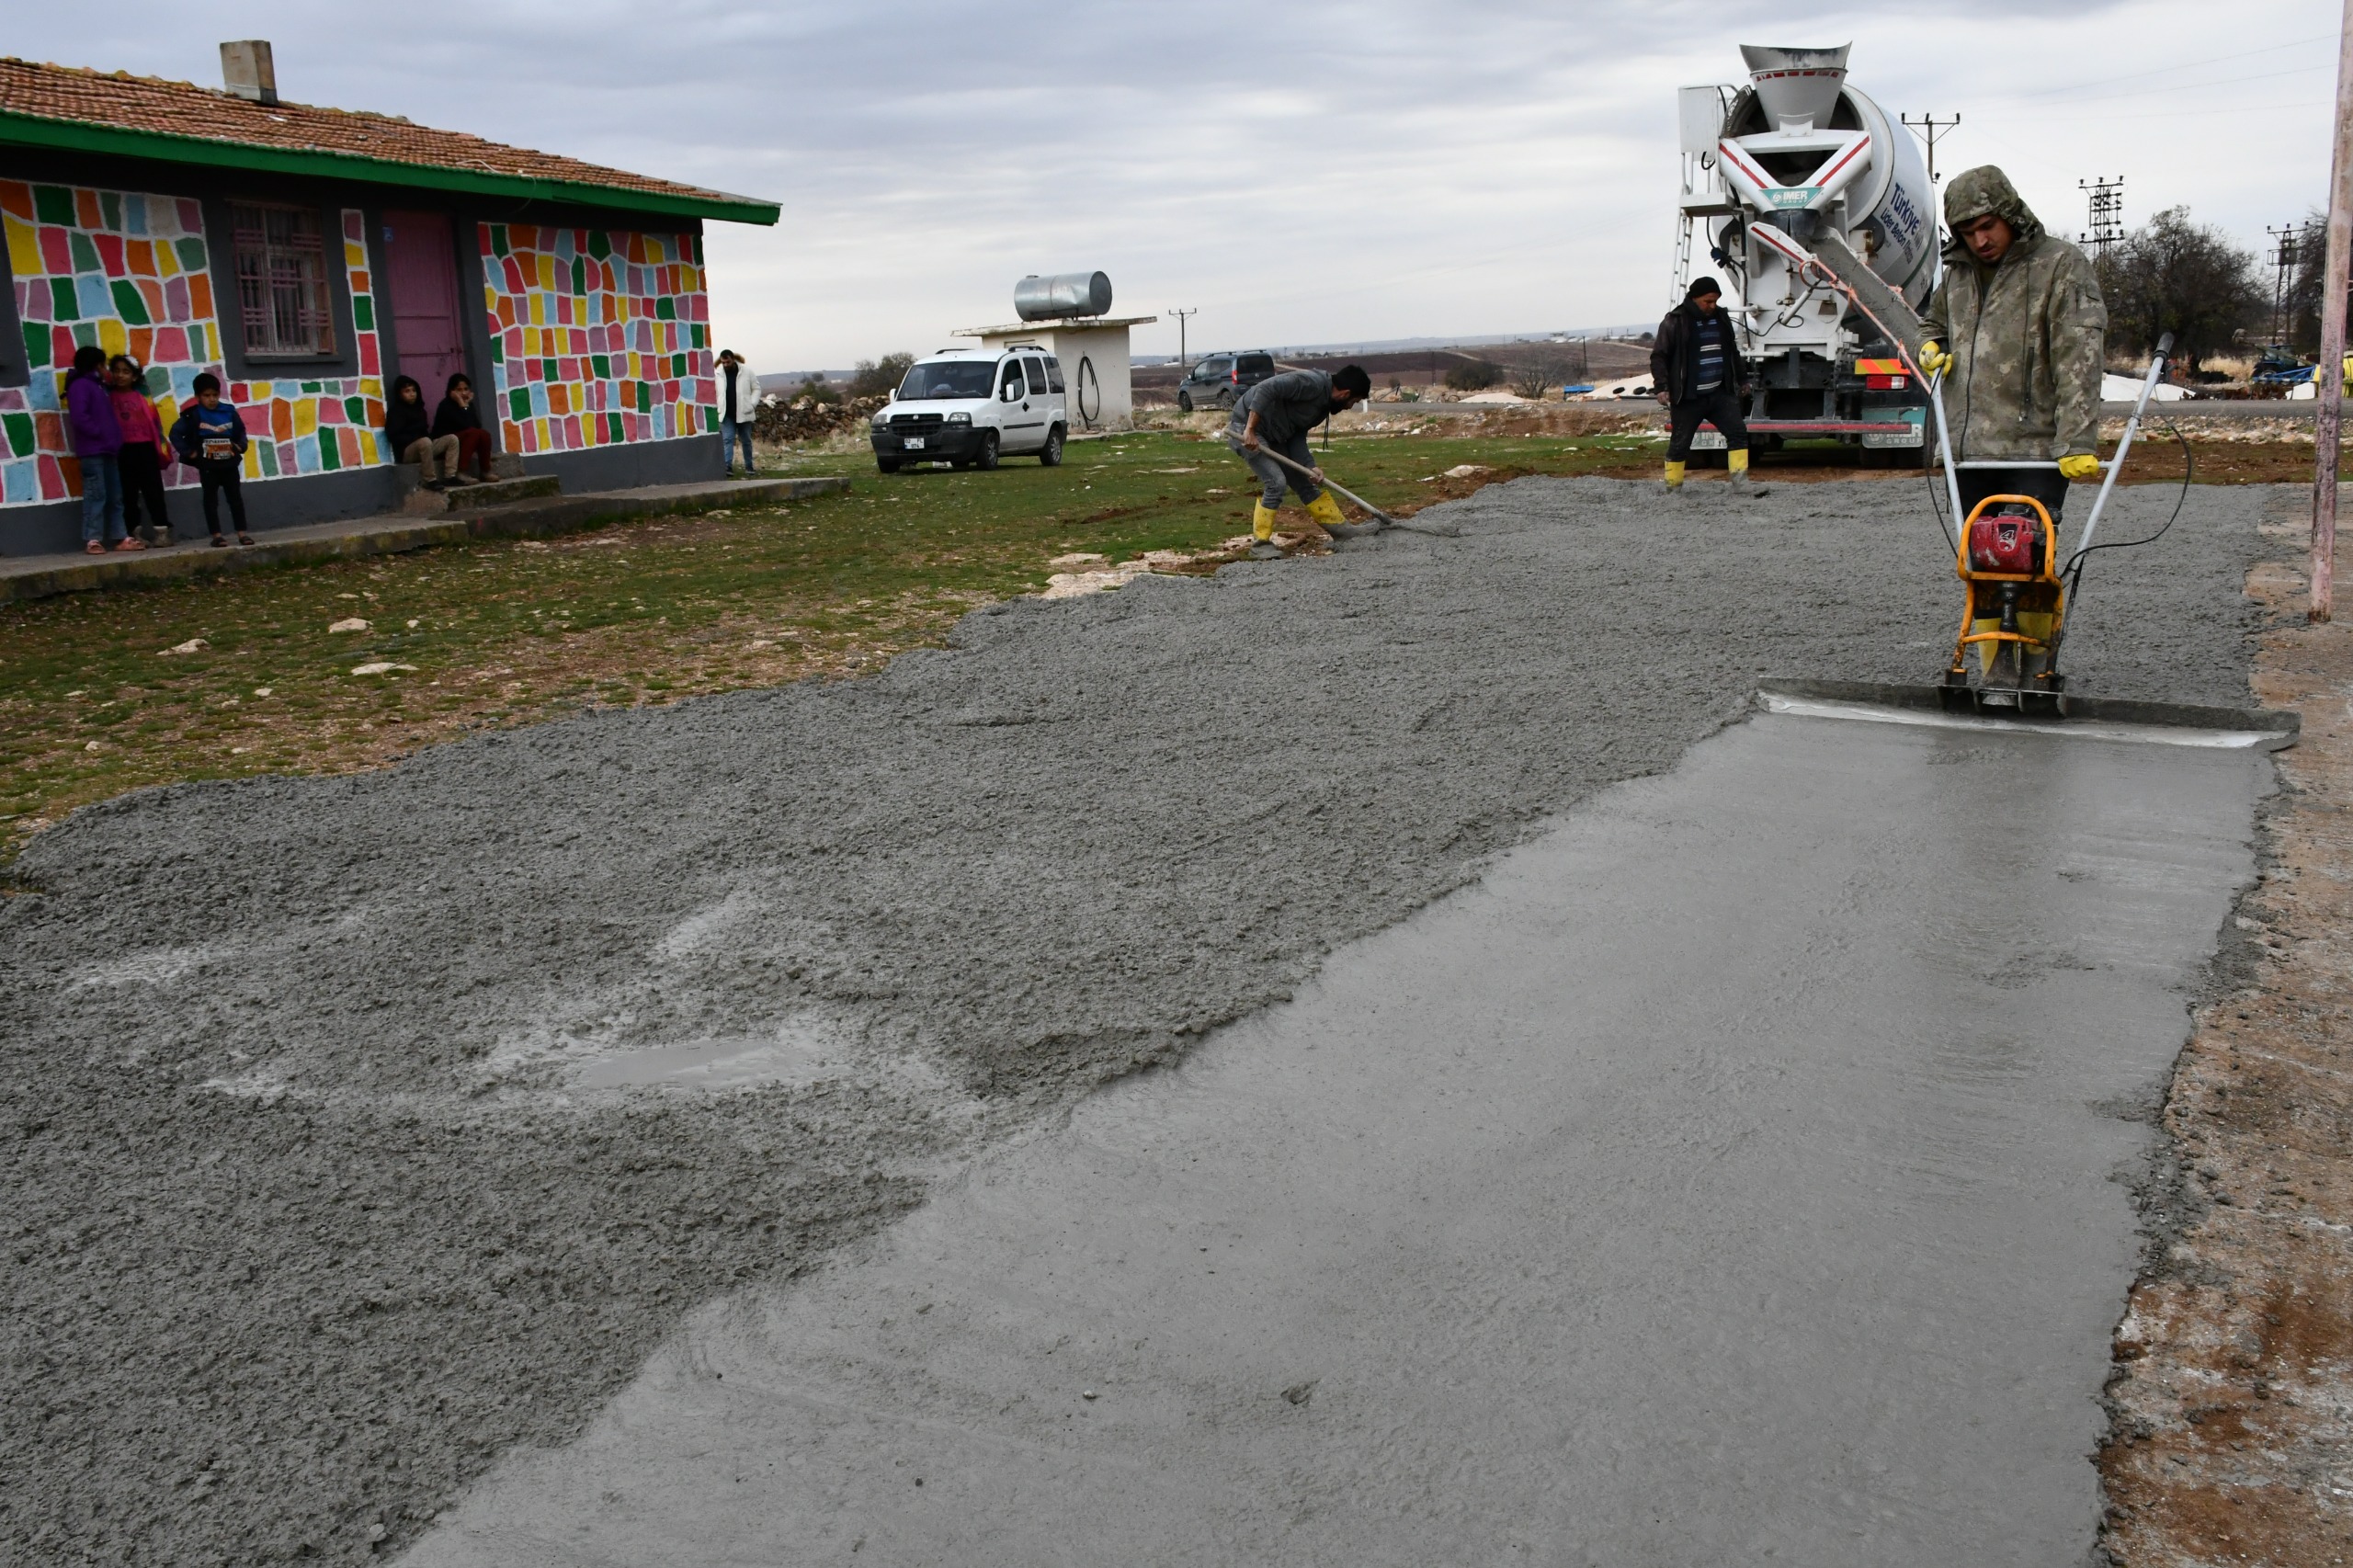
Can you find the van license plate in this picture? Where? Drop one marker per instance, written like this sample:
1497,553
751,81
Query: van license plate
1707,440
912,443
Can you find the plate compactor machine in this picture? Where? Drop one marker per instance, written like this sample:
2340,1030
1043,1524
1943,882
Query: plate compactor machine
2018,580
2014,617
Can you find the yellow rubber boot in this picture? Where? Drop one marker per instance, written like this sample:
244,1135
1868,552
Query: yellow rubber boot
1326,511
1737,462
1675,475
1262,522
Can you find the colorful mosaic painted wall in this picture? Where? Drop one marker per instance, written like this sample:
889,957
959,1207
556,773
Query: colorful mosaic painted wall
131,273
598,336
318,427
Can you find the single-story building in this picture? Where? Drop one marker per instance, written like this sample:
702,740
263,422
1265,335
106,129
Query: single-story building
306,256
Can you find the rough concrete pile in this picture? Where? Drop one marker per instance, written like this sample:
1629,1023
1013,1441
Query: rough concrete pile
326,1185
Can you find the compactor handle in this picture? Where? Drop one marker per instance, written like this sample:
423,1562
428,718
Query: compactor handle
2116,466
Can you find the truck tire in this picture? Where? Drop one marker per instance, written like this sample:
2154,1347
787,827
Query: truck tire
1051,454
1185,403
986,458
887,465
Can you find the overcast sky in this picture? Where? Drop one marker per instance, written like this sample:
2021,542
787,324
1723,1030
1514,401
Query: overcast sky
1301,172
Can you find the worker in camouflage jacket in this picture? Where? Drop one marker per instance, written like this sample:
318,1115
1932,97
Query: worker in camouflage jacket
2019,329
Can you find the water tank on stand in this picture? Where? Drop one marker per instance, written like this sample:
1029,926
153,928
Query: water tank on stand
1061,295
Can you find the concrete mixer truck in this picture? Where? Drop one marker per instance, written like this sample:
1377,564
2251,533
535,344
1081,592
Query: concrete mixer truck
1794,155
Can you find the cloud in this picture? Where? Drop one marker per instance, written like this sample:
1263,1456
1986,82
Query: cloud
1304,173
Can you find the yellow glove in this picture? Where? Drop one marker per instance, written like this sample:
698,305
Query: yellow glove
1934,360
2082,466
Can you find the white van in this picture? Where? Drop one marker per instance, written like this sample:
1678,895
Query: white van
972,406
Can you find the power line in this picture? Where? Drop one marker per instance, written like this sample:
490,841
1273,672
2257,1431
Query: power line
2202,84
2191,65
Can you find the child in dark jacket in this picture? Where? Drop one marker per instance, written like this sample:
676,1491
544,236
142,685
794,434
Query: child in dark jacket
141,462
408,435
458,416
209,435
98,441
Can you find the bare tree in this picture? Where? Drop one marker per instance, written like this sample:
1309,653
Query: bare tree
2171,275
1536,376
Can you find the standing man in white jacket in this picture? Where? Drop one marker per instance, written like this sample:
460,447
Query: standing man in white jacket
739,405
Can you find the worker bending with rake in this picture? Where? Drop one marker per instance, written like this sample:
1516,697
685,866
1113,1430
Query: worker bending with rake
2018,330
1699,375
1276,417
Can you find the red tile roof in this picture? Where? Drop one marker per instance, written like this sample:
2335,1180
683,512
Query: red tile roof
118,101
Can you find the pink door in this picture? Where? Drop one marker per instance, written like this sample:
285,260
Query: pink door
421,275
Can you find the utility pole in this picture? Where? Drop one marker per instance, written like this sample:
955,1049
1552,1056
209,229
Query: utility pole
2287,254
2328,376
2107,201
1929,127
1182,362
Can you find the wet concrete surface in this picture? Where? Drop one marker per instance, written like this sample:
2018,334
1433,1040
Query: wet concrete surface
359,1131
1739,1173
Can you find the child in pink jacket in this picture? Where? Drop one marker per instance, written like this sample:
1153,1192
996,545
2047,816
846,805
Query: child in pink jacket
143,454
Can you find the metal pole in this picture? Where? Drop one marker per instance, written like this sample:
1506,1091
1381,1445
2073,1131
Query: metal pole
2329,376
1183,317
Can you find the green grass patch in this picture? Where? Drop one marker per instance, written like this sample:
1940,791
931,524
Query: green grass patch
511,632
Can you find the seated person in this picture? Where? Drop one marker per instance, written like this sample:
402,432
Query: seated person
405,433
459,417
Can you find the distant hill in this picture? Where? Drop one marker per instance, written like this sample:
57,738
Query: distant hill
1426,361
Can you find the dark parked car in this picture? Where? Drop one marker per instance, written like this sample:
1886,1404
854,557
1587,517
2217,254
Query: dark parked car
1216,379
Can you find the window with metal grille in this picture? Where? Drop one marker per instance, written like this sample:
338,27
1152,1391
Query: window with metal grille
282,294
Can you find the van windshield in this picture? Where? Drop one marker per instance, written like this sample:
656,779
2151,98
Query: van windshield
949,377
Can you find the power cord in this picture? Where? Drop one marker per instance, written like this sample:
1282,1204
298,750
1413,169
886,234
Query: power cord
2189,472
1935,507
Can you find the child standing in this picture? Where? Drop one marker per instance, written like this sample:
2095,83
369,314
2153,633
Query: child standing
98,438
143,455
210,435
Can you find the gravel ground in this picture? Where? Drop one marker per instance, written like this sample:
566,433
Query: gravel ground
315,1206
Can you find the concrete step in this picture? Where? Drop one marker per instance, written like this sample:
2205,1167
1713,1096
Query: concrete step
537,516
422,502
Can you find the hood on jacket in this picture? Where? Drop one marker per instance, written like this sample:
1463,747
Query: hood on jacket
1972,195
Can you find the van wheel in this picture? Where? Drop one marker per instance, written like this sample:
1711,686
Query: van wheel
887,465
1051,454
987,456
1185,402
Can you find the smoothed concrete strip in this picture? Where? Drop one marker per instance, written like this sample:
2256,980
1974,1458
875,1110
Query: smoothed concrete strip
39,576
2079,730
1731,1176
